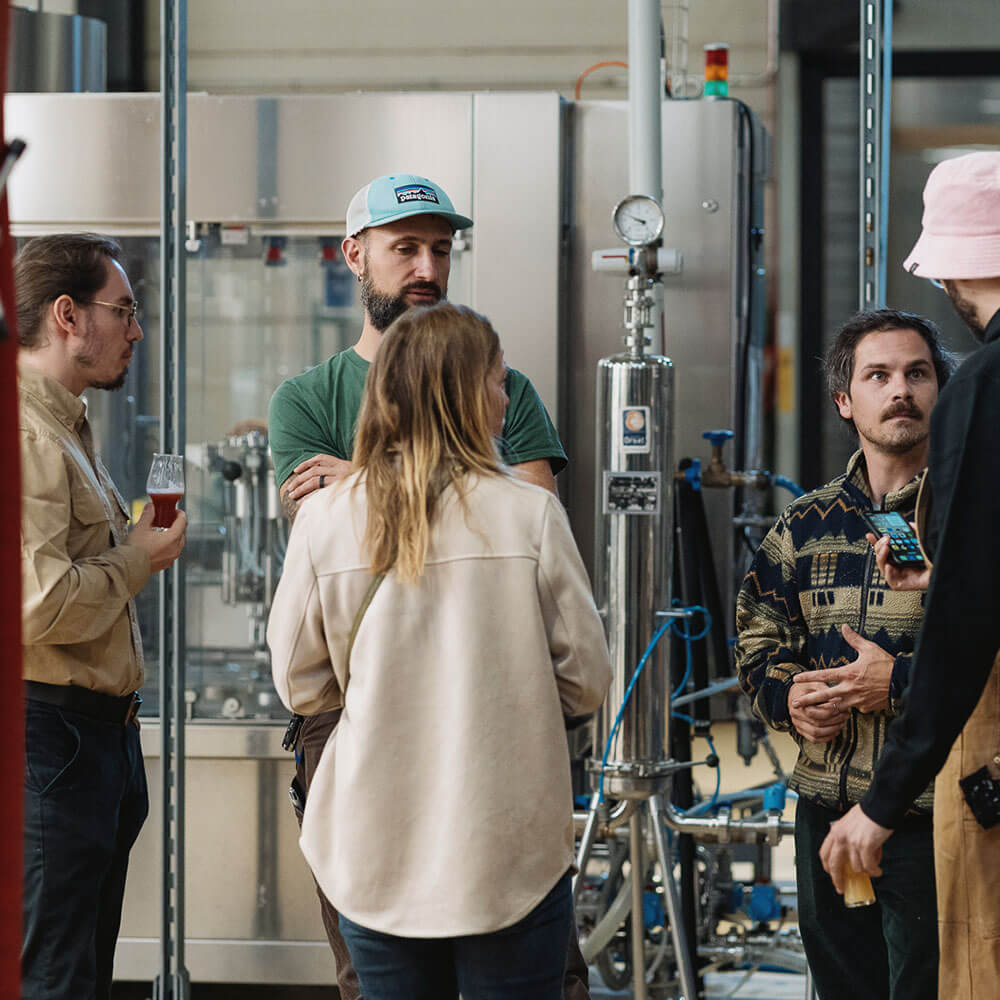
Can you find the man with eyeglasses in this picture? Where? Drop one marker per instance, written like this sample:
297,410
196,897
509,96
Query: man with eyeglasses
85,793
952,706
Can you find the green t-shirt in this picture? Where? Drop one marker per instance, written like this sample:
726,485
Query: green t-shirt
314,413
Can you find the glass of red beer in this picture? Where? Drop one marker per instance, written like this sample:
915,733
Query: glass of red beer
165,487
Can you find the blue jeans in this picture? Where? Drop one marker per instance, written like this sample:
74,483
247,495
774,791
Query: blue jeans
85,800
886,951
522,962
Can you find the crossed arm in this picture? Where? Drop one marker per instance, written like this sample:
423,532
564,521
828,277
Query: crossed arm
305,479
772,654
862,684
772,649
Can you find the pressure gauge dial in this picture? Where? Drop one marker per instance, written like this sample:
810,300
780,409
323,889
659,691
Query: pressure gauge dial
638,220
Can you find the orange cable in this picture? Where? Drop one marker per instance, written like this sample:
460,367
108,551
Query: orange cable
590,69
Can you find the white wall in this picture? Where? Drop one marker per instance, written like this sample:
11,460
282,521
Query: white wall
254,46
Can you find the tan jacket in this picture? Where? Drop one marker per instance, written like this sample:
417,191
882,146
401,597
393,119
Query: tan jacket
966,857
78,577
442,803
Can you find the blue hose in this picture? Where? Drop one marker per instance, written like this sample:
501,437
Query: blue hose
703,807
660,632
788,484
688,638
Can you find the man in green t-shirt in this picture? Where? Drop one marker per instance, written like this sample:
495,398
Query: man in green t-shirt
398,244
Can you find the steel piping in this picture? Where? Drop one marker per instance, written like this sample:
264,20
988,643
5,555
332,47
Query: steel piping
722,828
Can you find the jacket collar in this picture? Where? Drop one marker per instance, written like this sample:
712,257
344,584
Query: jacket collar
53,396
856,483
992,331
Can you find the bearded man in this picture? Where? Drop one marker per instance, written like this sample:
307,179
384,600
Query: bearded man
824,650
952,716
398,245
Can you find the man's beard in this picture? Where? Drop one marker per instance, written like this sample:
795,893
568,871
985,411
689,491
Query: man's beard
383,309
115,383
967,312
87,358
904,439
902,443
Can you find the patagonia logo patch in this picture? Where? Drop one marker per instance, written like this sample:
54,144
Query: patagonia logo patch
415,192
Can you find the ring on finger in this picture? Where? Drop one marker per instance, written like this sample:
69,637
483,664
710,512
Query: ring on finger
321,483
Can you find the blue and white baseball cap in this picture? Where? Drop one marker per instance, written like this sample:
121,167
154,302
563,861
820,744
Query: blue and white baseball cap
400,196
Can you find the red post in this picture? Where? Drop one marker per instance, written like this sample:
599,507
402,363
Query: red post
11,693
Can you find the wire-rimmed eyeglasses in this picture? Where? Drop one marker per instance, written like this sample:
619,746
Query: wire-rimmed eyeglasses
130,310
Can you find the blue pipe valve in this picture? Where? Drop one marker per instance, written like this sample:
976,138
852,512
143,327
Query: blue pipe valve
691,473
774,796
717,438
764,904
716,474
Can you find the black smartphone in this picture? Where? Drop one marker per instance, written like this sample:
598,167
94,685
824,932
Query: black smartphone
904,549
982,792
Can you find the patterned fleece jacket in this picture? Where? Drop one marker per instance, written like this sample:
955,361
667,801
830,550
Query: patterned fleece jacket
813,573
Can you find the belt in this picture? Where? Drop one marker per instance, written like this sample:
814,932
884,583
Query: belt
105,707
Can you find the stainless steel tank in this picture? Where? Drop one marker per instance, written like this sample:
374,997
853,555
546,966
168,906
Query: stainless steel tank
56,53
633,563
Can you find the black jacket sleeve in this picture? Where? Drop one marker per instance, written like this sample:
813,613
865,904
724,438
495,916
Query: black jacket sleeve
961,630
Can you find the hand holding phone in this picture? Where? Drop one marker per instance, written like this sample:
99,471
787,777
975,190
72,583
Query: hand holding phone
912,578
904,549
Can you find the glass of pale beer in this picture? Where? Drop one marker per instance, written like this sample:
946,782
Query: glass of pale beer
858,890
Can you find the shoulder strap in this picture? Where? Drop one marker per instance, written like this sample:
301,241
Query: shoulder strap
362,608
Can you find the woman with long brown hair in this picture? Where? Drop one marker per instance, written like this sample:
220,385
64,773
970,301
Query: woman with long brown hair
444,605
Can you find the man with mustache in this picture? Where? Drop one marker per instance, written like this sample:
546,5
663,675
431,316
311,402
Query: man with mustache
824,650
85,796
398,245
952,712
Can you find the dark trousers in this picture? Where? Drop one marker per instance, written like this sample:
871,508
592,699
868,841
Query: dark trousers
886,951
85,801
315,731
313,735
521,962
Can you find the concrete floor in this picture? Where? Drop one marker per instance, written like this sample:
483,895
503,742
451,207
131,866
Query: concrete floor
722,985
718,986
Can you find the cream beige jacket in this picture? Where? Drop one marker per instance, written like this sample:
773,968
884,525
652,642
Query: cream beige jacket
442,803
78,575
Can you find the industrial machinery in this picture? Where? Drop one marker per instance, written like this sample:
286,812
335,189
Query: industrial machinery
635,759
268,181
241,542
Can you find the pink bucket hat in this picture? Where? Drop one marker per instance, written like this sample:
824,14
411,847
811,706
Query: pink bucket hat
961,225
